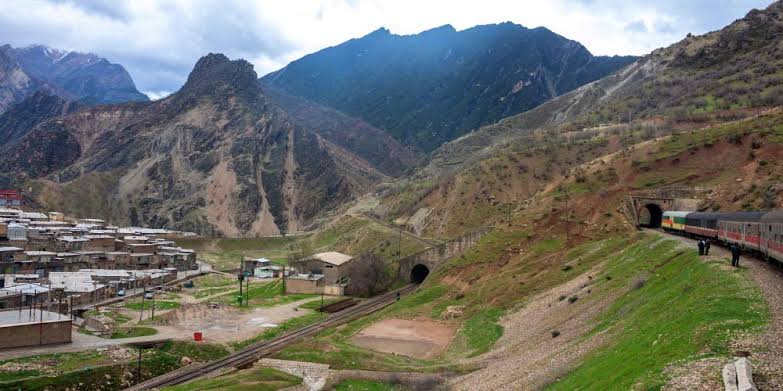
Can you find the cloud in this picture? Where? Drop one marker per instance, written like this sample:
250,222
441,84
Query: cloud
159,41
636,26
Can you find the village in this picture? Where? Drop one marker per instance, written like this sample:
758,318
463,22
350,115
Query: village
74,281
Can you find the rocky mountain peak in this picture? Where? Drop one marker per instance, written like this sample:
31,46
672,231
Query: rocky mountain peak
214,73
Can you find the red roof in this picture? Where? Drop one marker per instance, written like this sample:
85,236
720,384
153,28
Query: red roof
10,195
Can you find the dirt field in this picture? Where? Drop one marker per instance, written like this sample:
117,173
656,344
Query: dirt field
415,338
227,324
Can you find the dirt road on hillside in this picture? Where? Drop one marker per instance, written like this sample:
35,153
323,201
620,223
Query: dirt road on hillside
766,349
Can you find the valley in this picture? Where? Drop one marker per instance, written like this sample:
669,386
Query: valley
479,209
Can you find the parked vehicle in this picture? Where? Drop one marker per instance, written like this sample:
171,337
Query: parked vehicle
121,292
149,295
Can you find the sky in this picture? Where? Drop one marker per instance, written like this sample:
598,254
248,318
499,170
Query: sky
158,42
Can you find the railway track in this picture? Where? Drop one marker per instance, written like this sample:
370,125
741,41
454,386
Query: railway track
258,350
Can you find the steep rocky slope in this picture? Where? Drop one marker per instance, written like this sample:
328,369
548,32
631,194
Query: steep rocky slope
217,157
38,107
434,86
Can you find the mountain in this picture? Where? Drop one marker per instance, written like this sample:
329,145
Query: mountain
432,87
217,157
716,76
15,84
25,115
75,76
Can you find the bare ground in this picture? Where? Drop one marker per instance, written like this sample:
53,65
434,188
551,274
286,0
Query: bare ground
225,323
419,338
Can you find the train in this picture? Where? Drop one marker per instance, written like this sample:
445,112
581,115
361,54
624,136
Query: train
761,232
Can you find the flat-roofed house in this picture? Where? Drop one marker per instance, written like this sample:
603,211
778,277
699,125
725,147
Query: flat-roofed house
142,248
143,261
99,242
118,259
72,243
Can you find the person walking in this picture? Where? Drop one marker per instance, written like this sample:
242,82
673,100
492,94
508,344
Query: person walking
707,247
701,247
735,255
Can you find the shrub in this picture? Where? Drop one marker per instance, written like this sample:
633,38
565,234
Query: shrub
573,299
555,333
561,298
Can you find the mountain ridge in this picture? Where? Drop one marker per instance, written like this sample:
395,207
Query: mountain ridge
473,76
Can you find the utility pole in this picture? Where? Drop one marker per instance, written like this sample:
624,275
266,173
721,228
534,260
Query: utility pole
399,246
284,266
141,309
153,306
240,277
138,372
568,217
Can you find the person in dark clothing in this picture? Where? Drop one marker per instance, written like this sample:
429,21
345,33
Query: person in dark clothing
707,247
701,247
735,255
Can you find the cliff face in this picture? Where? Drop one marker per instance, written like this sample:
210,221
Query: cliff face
217,157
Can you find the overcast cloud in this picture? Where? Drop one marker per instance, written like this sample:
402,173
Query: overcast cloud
159,41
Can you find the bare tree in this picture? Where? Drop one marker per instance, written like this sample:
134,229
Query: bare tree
369,276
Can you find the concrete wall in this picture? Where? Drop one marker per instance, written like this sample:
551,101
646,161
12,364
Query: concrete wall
302,286
34,334
433,256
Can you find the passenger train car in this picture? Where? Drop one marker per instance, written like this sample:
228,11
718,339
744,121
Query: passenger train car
756,231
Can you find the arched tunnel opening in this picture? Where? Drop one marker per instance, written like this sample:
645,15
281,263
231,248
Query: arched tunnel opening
651,216
419,273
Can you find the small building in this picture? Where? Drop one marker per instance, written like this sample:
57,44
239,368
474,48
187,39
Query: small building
34,216
142,248
35,328
334,266
99,242
17,231
72,243
142,261
56,216
10,198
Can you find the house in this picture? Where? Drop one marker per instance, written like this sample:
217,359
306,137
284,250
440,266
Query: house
72,243
142,248
34,216
334,266
143,261
321,273
10,198
260,268
99,242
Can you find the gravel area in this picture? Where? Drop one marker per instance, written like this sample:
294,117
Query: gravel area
528,356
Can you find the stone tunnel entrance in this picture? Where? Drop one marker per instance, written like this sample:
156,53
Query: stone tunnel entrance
419,273
651,217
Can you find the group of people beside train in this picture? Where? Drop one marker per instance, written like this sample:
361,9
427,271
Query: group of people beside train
704,250
760,232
